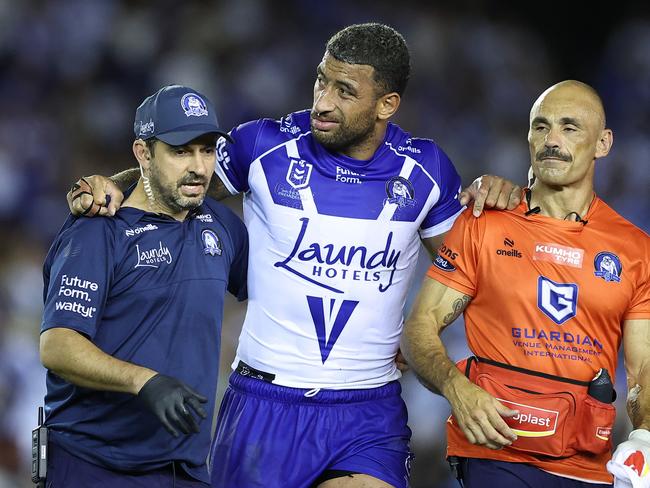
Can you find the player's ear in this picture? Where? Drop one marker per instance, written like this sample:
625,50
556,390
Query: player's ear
141,153
387,105
604,143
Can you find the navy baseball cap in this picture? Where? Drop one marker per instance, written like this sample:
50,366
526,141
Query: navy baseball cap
176,115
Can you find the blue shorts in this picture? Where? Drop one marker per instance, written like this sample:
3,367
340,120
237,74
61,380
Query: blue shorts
276,437
67,471
479,473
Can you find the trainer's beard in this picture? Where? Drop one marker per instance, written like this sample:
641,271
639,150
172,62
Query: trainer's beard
171,198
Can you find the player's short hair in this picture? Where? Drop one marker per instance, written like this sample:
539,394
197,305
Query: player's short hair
376,45
151,144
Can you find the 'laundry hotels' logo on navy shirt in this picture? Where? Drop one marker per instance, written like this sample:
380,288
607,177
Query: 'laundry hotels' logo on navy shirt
152,258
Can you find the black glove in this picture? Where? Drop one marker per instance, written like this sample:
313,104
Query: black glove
167,397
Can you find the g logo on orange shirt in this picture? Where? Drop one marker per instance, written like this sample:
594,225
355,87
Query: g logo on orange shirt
558,301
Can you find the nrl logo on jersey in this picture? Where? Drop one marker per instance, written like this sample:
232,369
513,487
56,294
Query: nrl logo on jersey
299,173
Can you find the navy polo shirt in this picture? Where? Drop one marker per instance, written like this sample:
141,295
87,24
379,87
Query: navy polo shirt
147,289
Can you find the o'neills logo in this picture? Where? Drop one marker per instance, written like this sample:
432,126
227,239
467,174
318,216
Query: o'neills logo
555,253
531,421
139,230
509,252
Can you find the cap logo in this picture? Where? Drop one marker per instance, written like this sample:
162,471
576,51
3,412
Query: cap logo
146,127
193,105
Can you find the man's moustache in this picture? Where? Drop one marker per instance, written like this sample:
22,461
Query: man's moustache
553,153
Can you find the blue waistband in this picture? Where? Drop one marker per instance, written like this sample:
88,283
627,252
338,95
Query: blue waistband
311,396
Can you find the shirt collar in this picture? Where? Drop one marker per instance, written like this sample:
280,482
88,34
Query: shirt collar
133,215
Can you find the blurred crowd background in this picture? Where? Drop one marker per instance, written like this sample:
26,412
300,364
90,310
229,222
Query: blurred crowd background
72,73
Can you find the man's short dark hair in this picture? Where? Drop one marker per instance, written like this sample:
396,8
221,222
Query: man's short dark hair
151,144
379,46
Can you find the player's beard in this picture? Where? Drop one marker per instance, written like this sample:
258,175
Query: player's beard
348,133
170,195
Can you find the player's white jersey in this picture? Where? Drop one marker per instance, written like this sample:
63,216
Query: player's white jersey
333,246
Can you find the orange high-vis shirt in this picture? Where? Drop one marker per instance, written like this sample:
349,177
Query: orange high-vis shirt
549,295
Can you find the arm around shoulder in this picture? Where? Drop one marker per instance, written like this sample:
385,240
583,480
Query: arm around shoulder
217,189
88,195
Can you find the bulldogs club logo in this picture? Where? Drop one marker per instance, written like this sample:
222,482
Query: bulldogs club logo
400,191
608,266
211,243
193,105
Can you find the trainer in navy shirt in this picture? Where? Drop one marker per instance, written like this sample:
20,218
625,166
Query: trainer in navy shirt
146,289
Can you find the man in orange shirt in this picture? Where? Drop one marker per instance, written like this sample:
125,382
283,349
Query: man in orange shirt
548,293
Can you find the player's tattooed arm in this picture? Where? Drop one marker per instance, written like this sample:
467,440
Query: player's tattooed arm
478,414
126,178
636,349
458,306
88,195
435,308
432,244
217,189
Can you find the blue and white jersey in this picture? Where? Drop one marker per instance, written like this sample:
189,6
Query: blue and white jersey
333,246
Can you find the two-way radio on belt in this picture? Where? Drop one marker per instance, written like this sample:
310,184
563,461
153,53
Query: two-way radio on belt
39,452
